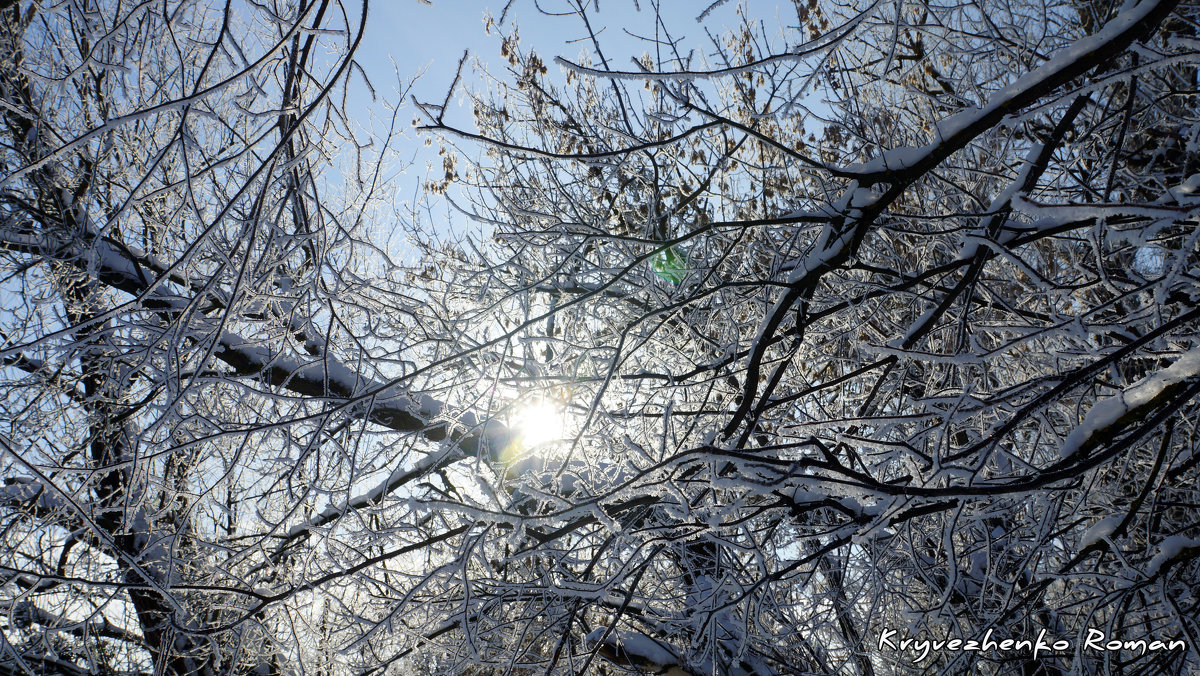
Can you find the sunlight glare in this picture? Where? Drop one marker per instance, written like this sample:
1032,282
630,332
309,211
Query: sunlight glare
538,422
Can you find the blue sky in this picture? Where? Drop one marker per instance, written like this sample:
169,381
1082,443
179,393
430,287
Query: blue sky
407,37
419,36
433,35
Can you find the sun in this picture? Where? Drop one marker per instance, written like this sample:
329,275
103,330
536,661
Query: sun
538,422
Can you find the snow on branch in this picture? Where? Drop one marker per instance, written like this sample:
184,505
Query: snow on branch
632,650
1131,403
955,131
901,167
1172,550
384,403
29,495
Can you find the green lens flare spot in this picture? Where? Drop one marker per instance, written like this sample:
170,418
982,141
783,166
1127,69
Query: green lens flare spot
670,265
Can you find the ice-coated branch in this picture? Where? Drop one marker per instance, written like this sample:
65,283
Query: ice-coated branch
901,167
387,404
